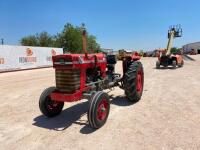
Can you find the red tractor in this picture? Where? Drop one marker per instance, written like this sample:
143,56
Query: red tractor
85,76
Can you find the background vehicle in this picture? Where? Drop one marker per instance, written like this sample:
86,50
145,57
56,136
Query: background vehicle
166,58
123,54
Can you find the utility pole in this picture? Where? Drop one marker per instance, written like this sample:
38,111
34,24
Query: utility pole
2,42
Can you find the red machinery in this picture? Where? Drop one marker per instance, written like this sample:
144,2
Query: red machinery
81,76
166,58
193,52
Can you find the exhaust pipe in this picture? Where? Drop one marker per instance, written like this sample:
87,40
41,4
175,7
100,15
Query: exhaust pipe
84,39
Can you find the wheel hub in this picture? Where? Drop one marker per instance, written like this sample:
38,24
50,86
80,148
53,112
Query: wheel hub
102,110
51,104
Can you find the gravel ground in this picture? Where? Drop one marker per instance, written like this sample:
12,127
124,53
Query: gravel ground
167,116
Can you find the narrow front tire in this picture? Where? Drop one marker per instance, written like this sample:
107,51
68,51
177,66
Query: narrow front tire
98,110
157,64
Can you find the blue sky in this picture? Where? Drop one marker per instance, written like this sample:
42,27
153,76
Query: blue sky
129,24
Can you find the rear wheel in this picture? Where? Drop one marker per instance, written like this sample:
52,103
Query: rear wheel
47,106
99,109
174,64
181,65
133,81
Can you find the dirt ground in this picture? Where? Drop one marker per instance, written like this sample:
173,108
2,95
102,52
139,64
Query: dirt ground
167,116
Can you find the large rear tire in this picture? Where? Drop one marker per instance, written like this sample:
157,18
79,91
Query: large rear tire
99,109
47,106
134,81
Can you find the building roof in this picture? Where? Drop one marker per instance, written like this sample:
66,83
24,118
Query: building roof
192,43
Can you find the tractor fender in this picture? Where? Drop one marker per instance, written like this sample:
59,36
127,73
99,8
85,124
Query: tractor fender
179,59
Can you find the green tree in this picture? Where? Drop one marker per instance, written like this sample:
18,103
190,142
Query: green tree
92,45
44,39
70,39
175,50
29,41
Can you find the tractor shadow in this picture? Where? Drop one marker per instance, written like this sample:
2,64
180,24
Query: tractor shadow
119,101
67,117
166,68
72,115
186,57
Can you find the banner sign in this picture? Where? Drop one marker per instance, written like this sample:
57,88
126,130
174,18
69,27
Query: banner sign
24,57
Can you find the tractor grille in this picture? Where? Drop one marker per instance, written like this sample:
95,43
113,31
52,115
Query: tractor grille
68,81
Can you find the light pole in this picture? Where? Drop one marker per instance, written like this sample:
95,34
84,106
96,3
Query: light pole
2,42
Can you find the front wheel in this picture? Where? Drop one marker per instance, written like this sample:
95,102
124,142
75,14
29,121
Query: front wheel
99,109
182,63
47,106
134,81
157,64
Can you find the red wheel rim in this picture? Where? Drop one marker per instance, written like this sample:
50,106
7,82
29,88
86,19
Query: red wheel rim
139,81
102,110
